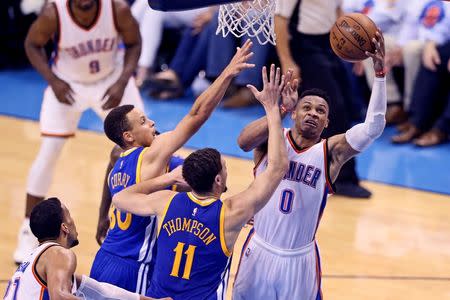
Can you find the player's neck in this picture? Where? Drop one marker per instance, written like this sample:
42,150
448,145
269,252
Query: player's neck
84,17
205,196
51,241
303,142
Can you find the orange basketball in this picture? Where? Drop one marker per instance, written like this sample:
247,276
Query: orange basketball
351,35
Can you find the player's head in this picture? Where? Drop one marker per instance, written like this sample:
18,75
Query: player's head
311,113
51,220
84,4
205,171
128,126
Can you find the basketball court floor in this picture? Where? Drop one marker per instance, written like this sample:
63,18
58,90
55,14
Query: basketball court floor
395,246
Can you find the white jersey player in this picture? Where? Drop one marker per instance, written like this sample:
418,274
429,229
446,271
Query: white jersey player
88,70
49,272
26,283
280,259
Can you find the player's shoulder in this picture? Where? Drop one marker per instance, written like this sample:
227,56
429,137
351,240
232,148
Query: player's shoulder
59,252
49,11
120,5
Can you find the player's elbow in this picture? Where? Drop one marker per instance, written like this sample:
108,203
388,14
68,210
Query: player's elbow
376,127
244,143
118,199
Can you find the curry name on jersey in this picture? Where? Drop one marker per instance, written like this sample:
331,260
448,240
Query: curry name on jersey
131,236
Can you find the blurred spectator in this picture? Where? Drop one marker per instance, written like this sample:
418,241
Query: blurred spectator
190,58
388,15
221,51
302,29
422,21
429,120
151,24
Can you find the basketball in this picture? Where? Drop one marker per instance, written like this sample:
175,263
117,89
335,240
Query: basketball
351,35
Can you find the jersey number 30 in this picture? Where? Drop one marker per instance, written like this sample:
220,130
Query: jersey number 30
115,217
189,260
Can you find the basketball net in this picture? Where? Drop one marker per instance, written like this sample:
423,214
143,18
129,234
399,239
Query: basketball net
253,18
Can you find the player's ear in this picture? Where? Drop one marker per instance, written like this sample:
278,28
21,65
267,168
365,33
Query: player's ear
294,114
327,122
128,137
218,180
65,228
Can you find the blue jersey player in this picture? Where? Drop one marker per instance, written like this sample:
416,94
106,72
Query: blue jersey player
197,230
126,253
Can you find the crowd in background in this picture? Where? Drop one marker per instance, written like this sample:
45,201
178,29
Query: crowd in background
182,48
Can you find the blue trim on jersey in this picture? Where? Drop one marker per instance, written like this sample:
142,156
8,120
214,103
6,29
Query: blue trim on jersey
150,238
45,295
323,203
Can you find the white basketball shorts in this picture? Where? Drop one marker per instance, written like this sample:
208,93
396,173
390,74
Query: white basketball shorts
59,119
266,272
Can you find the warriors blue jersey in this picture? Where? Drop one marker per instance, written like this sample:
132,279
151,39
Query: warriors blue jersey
131,236
193,260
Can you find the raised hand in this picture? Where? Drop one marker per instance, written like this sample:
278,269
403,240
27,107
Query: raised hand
379,54
271,87
289,94
62,91
240,59
177,175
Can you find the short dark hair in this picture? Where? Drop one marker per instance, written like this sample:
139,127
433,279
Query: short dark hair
316,92
200,169
46,219
116,123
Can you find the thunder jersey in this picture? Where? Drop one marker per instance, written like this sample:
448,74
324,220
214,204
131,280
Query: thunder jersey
131,236
193,260
291,217
84,54
26,284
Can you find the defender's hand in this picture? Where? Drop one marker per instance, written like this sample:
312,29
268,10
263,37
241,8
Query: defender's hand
379,54
177,175
271,89
240,59
102,229
114,95
289,94
63,91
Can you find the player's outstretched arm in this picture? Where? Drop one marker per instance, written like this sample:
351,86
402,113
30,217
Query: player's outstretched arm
256,133
166,144
92,289
60,273
148,197
342,147
241,207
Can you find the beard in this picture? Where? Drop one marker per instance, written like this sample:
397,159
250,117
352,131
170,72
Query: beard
74,243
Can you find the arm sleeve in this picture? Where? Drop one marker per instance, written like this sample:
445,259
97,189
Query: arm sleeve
360,136
92,289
